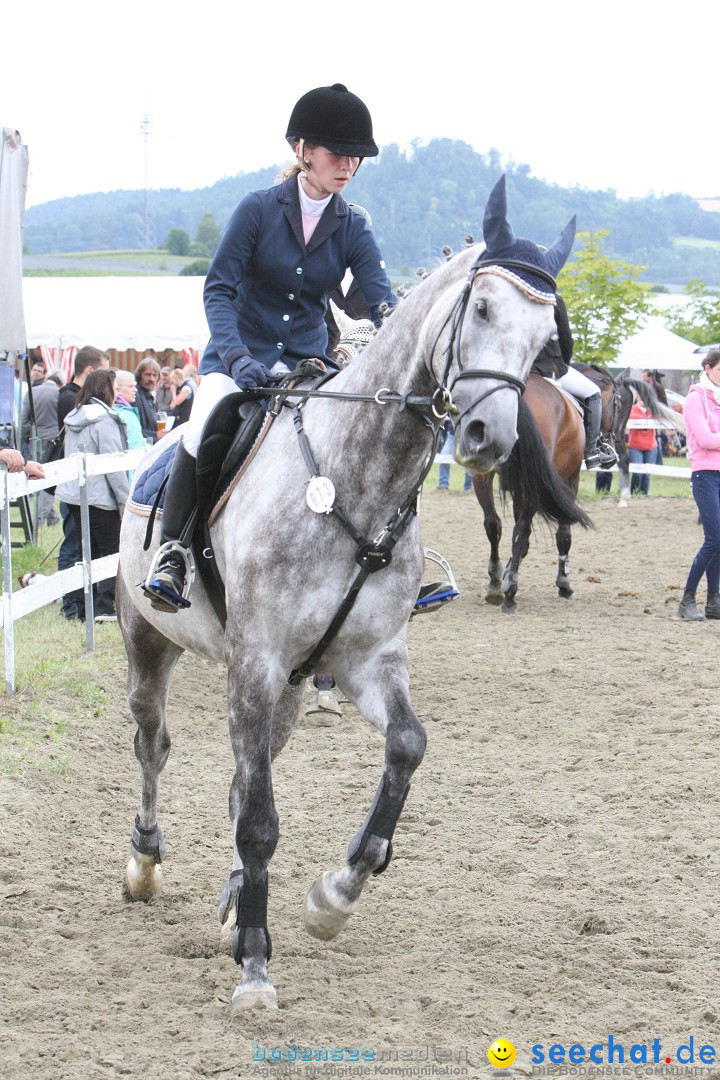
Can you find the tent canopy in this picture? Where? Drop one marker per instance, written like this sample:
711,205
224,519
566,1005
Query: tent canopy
116,312
657,347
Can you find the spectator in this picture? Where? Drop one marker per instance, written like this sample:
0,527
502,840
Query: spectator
183,392
653,378
87,360
37,373
642,448
125,393
163,394
15,462
448,447
93,428
44,399
147,377
702,423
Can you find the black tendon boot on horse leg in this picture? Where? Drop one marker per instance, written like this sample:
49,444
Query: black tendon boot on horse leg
597,456
167,582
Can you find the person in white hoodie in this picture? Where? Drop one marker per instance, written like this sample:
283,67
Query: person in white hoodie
93,428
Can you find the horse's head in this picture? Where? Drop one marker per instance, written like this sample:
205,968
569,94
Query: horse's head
488,337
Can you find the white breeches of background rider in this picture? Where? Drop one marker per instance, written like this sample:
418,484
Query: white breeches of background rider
213,388
575,383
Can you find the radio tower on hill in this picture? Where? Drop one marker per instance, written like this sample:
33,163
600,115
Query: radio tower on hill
145,129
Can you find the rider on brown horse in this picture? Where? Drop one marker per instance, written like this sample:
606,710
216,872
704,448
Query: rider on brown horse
554,363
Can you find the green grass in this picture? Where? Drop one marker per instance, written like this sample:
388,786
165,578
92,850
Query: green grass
58,683
695,242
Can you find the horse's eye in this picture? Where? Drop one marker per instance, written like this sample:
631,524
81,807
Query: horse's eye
482,309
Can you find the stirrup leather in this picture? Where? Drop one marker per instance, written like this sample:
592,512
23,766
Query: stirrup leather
157,591
433,597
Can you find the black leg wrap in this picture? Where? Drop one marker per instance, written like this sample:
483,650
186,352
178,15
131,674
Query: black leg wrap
148,841
251,911
382,817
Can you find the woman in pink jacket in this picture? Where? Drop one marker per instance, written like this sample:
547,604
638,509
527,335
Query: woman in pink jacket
702,421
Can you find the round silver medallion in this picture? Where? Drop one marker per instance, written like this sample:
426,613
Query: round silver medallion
320,495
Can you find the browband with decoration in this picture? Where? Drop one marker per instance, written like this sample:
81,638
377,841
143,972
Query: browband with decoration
504,268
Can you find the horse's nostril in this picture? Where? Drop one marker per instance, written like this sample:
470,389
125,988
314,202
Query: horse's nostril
474,434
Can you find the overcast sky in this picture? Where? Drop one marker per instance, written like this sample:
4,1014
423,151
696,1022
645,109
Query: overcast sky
616,94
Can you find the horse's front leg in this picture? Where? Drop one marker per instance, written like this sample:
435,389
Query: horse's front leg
520,546
483,486
251,694
380,687
563,539
151,662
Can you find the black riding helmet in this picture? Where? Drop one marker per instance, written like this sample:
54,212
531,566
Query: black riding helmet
333,117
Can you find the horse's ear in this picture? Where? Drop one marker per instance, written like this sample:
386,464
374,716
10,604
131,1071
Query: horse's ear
342,321
557,255
497,230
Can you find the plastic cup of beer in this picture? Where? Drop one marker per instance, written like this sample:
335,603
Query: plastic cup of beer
162,423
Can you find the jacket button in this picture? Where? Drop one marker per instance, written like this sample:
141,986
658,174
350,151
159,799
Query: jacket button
299,270
279,344
286,318
291,296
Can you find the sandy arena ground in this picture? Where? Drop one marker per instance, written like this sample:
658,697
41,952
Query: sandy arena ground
556,870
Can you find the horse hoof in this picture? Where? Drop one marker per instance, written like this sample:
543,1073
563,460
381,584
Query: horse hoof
622,504
494,598
566,592
322,703
143,877
509,607
325,915
254,995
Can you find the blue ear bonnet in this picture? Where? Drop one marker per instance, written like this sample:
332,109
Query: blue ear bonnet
506,250
526,251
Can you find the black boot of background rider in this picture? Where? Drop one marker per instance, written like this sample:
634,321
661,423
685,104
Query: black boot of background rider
180,502
596,456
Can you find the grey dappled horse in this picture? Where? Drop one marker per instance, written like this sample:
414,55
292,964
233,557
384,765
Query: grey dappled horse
463,340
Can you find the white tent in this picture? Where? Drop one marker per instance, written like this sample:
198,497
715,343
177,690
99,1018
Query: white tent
657,347
116,312
13,183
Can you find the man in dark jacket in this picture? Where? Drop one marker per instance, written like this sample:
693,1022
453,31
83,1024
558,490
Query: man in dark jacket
87,359
147,376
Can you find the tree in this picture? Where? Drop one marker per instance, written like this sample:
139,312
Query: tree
698,321
196,268
208,235
606,303
178,242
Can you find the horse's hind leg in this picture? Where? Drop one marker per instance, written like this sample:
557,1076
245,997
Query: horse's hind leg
379,686
483,485
563,539
520,546
151,661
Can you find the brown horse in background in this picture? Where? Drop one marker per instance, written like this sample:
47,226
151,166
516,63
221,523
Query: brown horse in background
560,426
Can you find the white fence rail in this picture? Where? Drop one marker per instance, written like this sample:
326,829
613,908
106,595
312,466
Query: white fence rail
15,486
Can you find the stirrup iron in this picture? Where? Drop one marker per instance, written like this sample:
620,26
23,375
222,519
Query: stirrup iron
441,593
169,600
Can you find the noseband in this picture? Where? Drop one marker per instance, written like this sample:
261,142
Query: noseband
456,319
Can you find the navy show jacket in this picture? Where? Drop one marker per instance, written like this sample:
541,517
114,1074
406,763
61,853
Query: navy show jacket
266,291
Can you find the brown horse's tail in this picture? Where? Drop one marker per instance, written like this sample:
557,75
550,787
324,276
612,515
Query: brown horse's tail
530,476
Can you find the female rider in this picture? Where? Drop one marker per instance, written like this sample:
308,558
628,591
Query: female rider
283,252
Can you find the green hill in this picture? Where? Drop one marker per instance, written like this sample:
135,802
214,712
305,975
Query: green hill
419,201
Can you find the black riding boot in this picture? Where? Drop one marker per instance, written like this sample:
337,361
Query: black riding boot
597,456
166,583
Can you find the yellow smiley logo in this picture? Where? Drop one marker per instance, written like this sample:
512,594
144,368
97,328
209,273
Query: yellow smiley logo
501,1054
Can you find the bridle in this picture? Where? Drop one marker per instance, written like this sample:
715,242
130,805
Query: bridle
456,319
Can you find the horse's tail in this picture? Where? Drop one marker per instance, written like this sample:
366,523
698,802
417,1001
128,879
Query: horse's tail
651,401
529,474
